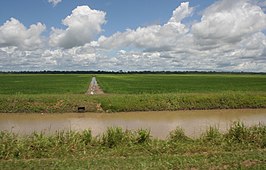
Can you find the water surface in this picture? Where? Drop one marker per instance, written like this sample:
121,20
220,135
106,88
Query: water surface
160,123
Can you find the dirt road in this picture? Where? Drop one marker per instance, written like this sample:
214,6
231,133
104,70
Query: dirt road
94,88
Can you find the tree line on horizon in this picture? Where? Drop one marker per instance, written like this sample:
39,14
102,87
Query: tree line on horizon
126,72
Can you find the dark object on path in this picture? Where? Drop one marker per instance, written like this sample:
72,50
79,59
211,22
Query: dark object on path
81,109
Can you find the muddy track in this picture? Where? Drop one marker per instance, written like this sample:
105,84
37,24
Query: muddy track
94,88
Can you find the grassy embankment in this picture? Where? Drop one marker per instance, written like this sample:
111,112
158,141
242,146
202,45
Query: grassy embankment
64,93
240,148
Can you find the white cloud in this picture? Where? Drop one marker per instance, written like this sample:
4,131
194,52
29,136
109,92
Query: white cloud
82,26
77,58
54,2
181,12
229,21
14,33
14,58
229,37
152,37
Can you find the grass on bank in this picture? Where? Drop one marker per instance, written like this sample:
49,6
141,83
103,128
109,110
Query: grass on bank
171,101
46,103
241,147
129,102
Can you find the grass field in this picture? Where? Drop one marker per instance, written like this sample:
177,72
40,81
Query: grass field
240,148
43,84
150,92
131,84
181,83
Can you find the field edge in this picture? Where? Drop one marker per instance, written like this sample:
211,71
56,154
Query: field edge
130,102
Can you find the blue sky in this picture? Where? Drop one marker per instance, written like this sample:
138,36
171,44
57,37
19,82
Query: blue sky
216,35
121,14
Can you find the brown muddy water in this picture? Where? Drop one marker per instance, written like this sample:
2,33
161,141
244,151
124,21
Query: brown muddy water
160,124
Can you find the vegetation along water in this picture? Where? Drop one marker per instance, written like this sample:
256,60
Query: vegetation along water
241,147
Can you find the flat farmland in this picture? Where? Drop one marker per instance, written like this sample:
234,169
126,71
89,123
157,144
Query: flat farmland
181,83
43,83
131,84
53,93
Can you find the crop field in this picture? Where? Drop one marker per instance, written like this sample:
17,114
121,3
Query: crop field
181,83
131,84
44,93
43,84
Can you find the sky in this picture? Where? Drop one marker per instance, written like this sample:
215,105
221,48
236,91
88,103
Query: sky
133,35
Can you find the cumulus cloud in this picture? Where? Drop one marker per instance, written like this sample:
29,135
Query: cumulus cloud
181,12
54,2
14,58
229,37
82,26
229,21
154,36
76,58
14,33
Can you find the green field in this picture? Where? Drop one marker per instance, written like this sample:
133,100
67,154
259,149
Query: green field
43,84
181,83
240,148
131,84
44,93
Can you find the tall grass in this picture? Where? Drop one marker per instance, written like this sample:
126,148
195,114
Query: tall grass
212,135
178,135
241,147
71,143
239,133
115,136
